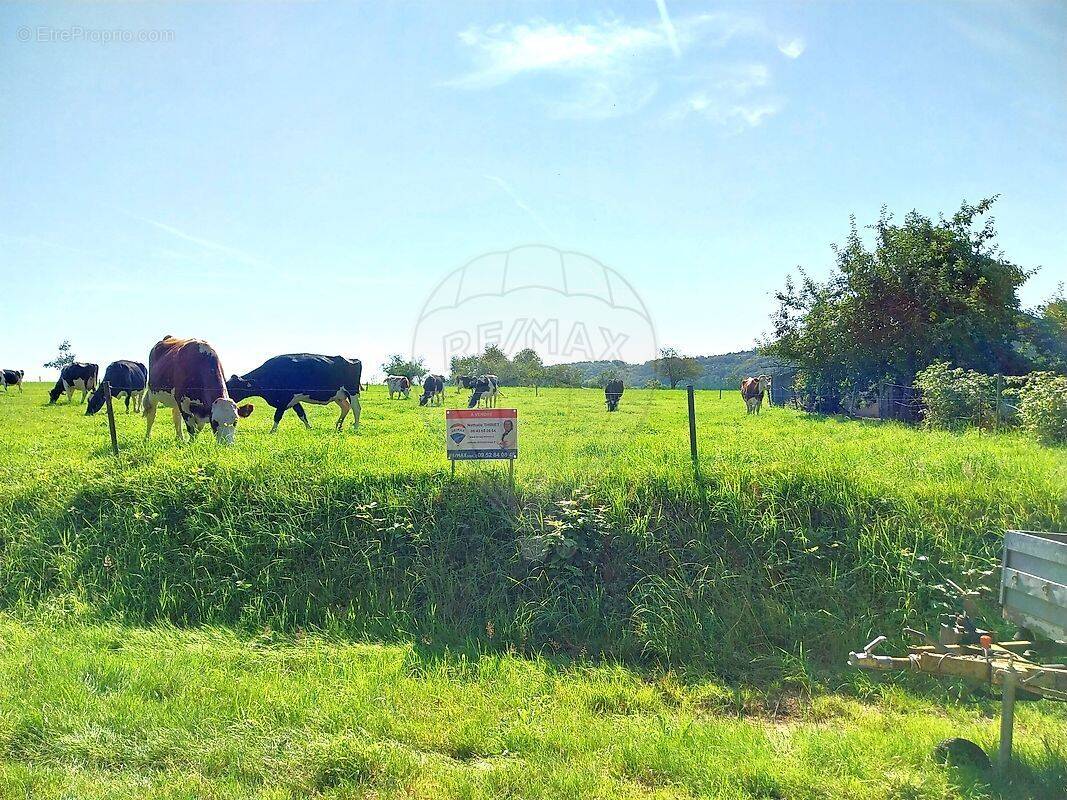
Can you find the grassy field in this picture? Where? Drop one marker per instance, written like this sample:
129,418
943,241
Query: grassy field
352,621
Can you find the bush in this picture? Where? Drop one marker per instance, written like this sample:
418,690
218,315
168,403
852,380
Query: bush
1043,407
957,397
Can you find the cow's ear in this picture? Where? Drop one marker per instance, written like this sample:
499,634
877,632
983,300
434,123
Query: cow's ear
245,410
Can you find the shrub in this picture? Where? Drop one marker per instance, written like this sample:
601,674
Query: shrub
956,397
1043,407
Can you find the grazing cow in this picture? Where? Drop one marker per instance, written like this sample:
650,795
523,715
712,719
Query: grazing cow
13,377
752,390
186,376
123,377
484,388
74,376
398,385
433,390
290,380
613,393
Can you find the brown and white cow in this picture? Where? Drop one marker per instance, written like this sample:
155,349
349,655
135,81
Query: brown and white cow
186,376
752,391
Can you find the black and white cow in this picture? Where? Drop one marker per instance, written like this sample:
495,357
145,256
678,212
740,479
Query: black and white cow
433,390
613,393
74,376
13,377
290,380
123,377
398,385
484,388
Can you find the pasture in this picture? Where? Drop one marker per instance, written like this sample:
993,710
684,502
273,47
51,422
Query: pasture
314,613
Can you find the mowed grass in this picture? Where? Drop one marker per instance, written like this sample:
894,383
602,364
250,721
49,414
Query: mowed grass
106,711
354,622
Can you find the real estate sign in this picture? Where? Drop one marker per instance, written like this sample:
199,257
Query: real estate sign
476,433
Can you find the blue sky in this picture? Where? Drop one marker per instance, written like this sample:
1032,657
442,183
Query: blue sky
283,177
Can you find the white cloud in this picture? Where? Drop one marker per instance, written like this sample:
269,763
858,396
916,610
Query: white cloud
794,48
505,51
733,97
611,67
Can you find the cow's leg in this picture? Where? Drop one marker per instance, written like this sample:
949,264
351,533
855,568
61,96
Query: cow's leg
177,415
299,409
70,393
150,416
279,412
343,403
128,402
353,401
137,402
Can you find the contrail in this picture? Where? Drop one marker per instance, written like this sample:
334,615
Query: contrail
668,27
503,184
206,243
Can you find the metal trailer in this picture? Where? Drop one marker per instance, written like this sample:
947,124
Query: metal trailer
1033,582
1033,594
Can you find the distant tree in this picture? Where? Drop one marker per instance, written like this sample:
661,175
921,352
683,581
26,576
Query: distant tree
465,365
397,365
527,368
563,375
653,383
494,361
928,291
675,368
64,357
607,376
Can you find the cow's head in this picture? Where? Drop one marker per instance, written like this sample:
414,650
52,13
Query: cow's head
240,388
224,415
612,401
96,401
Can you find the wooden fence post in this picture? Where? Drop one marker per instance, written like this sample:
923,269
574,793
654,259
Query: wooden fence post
693,430
1000,392
105,387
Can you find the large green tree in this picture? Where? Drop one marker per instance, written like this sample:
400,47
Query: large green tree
1043,334
927,291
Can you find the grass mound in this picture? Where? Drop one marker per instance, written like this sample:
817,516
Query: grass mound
807,534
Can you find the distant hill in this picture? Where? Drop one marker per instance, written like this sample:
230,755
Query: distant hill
723,371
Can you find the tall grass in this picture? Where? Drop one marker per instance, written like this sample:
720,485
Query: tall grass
808,533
